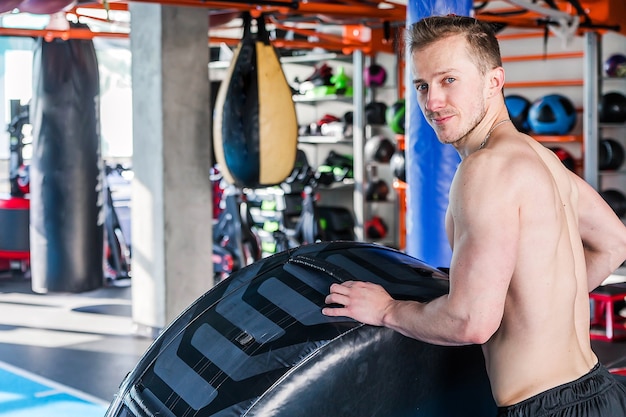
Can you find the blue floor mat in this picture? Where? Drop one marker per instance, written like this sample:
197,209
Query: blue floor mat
23,394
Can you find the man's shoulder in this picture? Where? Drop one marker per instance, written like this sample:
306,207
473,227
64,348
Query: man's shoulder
501,170
500,163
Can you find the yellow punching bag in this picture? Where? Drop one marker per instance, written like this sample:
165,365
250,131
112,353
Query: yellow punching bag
255,129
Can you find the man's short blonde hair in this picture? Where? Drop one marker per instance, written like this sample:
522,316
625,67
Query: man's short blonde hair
481,38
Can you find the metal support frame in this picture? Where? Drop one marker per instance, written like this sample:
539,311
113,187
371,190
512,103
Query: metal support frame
358,143
591,96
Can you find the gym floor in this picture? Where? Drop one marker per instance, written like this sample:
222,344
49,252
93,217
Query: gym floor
86,342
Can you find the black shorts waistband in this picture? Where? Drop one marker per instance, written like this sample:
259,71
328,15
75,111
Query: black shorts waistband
595,382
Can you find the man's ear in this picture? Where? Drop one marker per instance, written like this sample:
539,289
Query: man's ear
496,81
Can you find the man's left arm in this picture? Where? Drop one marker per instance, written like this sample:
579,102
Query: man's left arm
485,246
603,234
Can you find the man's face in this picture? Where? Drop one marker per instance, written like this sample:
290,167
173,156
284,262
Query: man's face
450,89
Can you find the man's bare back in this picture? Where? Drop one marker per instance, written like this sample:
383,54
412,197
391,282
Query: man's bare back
540,343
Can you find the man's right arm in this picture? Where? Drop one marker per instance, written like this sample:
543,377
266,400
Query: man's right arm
603,234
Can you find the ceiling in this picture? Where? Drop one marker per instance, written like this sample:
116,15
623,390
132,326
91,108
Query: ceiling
341,25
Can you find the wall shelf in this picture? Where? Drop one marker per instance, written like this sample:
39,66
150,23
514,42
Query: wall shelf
558,138
549,83
338,140
331,97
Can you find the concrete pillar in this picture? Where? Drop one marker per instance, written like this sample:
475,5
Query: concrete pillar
171,194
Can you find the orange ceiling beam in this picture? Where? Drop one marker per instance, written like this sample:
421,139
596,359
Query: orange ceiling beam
603,15
353,13
550,83
354,10
113,5
296,44
49,34
541,57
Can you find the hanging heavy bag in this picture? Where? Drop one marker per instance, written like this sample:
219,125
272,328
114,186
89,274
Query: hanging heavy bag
255,126
66,234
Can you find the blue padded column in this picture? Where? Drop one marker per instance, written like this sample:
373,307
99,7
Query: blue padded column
430,165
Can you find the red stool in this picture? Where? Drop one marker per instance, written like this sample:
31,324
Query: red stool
605,324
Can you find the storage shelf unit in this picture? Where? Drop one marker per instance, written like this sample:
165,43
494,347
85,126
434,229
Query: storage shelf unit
597,84
351,192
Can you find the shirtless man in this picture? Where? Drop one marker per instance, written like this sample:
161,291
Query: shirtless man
530,239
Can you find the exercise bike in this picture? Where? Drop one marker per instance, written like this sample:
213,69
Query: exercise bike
117,250
15,206
295,219
235,242
292,216
255,223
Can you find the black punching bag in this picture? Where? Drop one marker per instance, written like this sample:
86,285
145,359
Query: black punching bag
66,235
255,129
